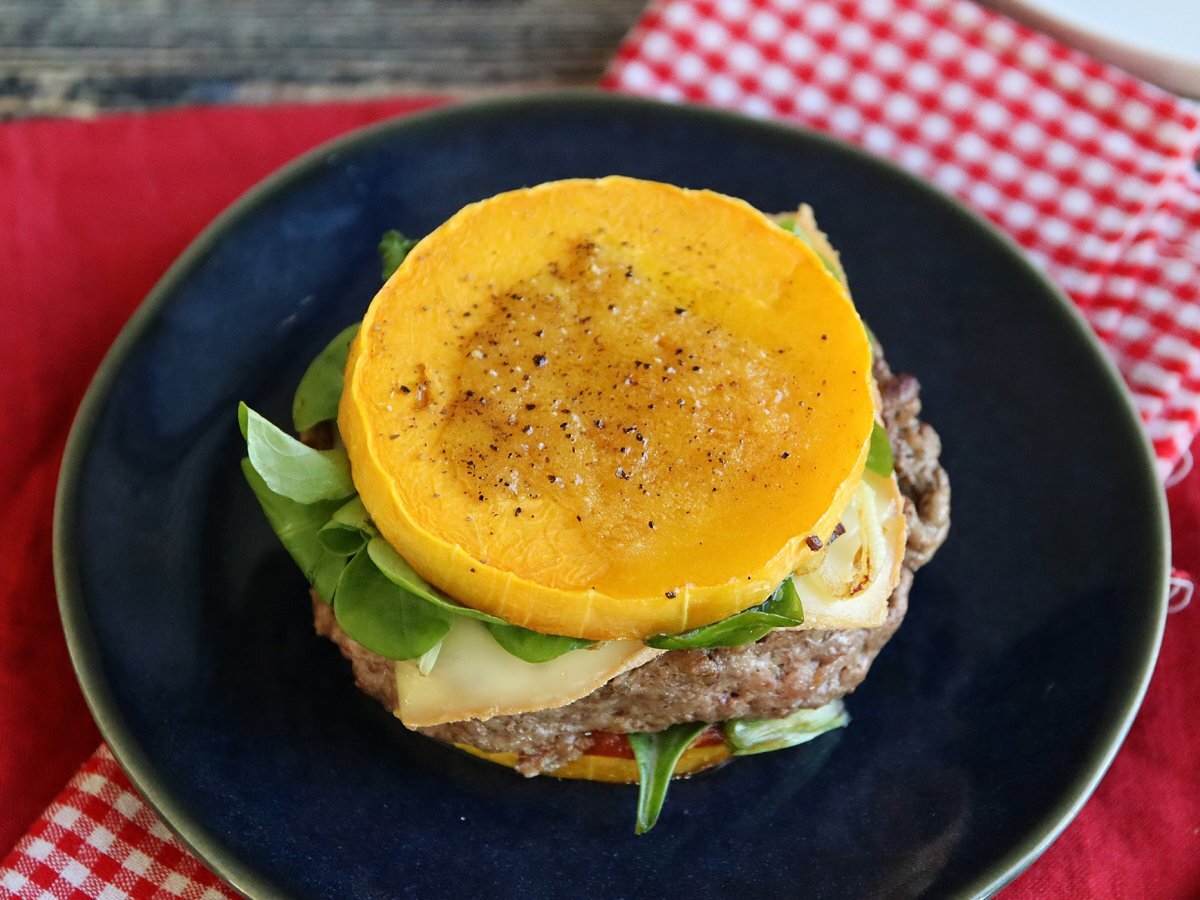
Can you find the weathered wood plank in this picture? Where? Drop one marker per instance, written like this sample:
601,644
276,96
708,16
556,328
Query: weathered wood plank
64,57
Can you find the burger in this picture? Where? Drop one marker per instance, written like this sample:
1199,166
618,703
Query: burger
611,482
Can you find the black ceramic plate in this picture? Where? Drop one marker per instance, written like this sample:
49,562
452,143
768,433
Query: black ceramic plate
982,729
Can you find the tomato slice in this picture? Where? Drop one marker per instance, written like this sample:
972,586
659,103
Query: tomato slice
608,743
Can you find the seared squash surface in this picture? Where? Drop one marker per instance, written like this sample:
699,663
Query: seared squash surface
609,408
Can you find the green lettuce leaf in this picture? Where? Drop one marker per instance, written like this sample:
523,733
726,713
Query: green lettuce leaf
657,755
348,530
789,224
520,642
393,247
781,610
383,617
320,387
879,453
533,646
298,527
746,736
397,570
290,468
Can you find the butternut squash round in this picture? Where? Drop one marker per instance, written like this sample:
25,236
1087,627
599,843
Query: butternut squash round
614,769
608,408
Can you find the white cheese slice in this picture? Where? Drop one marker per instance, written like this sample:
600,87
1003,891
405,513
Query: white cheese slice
859,570
473,677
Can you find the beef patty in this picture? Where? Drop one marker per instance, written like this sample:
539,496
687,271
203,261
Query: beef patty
782,672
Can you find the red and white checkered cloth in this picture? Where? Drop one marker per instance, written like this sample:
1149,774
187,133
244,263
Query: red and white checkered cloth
99,839
1091,170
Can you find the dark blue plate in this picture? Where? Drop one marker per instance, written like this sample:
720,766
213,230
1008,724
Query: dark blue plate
982,729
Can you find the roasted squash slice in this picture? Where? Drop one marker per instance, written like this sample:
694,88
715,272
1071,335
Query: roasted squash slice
608,408
614,769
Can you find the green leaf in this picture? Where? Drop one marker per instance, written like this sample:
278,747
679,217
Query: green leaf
781,610
427,660
320,387
520,642
657,755
746,736
532,646
298,527
349,529
393,247
290,468
790,224
879,454
397,570
383,617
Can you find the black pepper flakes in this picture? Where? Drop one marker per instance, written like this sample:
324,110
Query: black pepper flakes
670,595
539,359
813,542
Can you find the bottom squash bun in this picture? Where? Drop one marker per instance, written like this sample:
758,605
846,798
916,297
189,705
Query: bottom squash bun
614,769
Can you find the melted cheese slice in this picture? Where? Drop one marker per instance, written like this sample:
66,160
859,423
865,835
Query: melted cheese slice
473,677
860,569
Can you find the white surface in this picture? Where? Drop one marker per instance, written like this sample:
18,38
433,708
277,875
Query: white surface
1158,40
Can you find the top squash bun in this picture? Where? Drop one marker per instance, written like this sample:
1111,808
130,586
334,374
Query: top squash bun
608,409
603,434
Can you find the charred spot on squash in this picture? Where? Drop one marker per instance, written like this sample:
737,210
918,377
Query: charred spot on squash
601,355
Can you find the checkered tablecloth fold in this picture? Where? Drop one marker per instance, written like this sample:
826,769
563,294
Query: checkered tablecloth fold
1091,170
100,840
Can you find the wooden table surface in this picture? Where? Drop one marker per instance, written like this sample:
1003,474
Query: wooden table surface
80,57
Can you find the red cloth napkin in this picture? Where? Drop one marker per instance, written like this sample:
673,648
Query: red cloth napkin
92,213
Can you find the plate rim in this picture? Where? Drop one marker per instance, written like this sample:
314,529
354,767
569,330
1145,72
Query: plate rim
81,640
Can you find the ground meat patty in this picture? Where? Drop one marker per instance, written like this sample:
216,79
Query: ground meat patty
782,672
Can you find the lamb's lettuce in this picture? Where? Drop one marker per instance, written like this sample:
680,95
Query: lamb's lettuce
298,526
397,569
657,754
290,468
879,452
348,529
531,646
782,609
383,617
393,247
789,223
746,736
320,388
